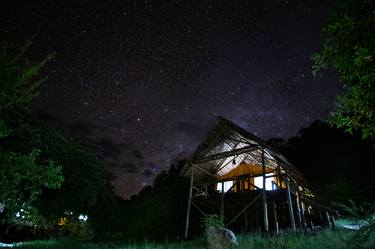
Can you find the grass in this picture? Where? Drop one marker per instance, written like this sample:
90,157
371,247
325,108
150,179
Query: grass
323,240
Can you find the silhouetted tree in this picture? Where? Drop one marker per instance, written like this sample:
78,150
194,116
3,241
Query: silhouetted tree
349,48
158,211
23,173
339,165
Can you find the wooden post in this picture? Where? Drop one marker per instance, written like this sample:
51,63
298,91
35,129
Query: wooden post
321,222
328,219
333,221
246,222
300,212
310,218
189,203
265,212
222,202
290,205
278,177
303,213
275,218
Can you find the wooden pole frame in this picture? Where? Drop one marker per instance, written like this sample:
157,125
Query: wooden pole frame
275,218
328,219
290,205
265,212
189,203
222,202
244,209
299,210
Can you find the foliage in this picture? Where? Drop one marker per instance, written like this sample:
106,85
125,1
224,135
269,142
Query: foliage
156,213
338,165
212,220
357,211
324,240
22,178
102,215
365,237
23,174
19,78
45,174
349,48
362,215
84,190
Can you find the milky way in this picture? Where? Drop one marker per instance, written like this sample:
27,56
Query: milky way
146,79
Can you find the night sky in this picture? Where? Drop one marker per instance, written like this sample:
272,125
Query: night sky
147,79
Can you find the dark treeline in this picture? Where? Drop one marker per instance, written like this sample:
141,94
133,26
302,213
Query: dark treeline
157,212
340,166
337,165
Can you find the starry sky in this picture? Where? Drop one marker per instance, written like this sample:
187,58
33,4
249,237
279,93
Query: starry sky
145,80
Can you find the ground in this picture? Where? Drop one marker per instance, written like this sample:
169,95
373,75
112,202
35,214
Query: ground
323,240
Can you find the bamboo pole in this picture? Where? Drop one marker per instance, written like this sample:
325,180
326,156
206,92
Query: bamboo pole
328,219
189,203
222,202
333,221
265,212
304,222
310,219
246,222
198,208
299,210
290,205
275,218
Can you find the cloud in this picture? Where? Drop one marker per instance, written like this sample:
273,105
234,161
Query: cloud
147,173
195,130
111,149
129,167
121,168
138,154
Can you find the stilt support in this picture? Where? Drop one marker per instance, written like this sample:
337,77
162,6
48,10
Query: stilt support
265,212
275,218
189,203
290,205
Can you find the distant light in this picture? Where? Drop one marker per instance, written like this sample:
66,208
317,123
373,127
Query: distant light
82,217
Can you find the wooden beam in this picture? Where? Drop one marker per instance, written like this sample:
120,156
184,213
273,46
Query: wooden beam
226,154
290,205
244,209
198,208
189,203
230,189
248,182
265,212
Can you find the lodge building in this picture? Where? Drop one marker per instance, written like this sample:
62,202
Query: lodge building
250,185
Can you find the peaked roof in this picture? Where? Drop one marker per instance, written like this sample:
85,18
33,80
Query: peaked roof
226,146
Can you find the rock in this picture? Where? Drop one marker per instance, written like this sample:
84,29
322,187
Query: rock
220,238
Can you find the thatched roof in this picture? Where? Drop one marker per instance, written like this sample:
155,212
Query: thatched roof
226,146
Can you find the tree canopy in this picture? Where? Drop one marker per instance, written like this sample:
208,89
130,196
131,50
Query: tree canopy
23,174
349,48
337,164
44,171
